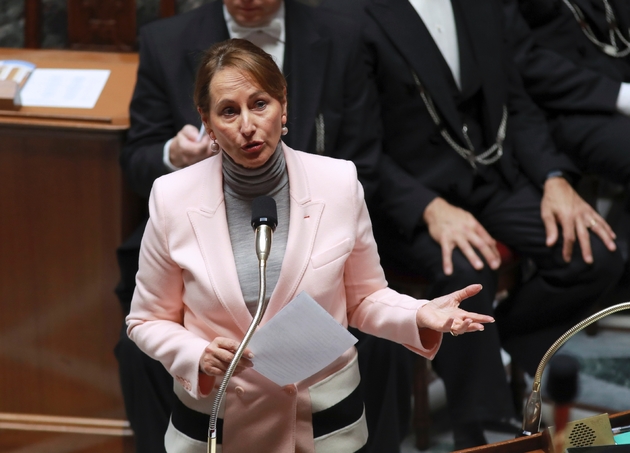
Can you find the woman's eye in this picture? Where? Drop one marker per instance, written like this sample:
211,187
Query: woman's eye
228,111
260,104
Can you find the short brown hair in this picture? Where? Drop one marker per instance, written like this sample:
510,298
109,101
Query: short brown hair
244,56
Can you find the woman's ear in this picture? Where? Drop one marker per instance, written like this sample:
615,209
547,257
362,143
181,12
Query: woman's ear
204,118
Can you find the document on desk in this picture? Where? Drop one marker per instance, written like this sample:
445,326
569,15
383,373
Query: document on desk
298,341
64,88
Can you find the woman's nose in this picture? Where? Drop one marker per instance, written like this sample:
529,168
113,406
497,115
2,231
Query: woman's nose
247,124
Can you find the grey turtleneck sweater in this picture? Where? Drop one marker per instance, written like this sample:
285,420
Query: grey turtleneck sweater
241,185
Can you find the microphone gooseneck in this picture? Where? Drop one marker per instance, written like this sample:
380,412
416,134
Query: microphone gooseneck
533,409
264,222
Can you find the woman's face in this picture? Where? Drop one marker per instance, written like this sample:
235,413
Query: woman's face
245,120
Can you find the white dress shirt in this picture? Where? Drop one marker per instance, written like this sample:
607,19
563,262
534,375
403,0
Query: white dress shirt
438,17
623,99
270,37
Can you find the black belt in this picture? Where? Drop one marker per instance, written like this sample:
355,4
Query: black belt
346,412
194,424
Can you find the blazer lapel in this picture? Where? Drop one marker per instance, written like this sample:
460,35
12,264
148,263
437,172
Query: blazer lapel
306,57
469,70
304,221
211,29
402,24
622,12
209,222
595,13
486,43
595,16
621,9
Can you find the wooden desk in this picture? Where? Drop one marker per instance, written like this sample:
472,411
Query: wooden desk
63,212
538,443
111,112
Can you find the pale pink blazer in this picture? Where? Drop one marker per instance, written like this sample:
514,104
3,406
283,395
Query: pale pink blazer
188,293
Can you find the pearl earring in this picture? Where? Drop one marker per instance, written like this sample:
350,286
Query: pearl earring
214,147
285,130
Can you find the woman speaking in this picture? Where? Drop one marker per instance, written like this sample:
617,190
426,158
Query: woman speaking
197,285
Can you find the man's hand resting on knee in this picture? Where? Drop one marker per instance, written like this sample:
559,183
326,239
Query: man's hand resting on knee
453,227
562,205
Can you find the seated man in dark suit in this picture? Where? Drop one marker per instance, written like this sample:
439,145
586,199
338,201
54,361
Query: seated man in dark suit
332,111
574,58
468,161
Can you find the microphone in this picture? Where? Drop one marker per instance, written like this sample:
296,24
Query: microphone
562,388
264,222
533,408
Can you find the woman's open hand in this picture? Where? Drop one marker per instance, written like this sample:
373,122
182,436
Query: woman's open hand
219,354
443,314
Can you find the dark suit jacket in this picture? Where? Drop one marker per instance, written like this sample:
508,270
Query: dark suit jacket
418,164
558,82
324,72
562,33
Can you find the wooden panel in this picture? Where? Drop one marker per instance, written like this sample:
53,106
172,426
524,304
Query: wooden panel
35,442
59,318
55,423
33,24
102,25
65,210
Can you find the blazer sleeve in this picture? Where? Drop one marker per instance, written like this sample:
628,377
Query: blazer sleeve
360,128
528,130
372,307
555,82
402,196
155,321
151,121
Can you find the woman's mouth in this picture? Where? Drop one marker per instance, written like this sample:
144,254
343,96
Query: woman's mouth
253,147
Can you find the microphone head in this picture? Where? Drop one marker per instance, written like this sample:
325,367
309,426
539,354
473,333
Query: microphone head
562,381
264,212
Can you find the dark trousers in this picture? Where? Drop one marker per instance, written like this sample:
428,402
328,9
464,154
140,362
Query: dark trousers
386,380
146,386
148,395
542,308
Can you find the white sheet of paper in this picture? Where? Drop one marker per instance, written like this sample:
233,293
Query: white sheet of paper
298,341
67,88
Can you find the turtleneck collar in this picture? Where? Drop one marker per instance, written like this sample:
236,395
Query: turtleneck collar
244,182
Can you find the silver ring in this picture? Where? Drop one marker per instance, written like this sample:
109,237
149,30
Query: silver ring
454,334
